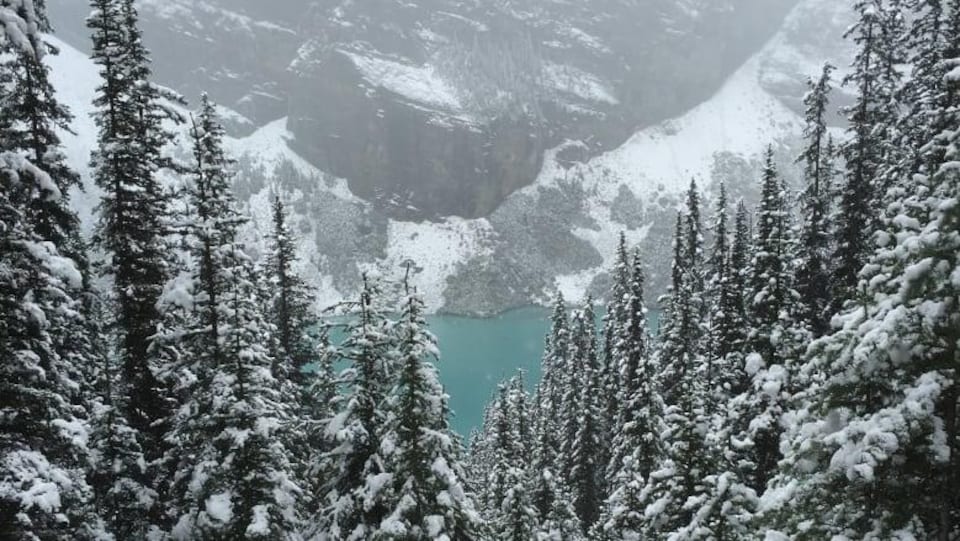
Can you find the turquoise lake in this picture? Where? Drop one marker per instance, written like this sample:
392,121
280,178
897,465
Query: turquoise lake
476,354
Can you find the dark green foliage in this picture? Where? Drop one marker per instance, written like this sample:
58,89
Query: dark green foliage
814,250
290,299
133,212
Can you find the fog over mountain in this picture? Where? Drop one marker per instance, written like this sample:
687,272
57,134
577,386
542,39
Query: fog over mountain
499,144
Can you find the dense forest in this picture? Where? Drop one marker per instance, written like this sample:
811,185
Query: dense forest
160,381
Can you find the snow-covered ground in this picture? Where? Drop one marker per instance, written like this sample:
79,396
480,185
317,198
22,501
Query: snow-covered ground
419,84
741,118
576,82
76,78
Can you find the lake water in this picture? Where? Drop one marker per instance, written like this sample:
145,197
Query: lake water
478,353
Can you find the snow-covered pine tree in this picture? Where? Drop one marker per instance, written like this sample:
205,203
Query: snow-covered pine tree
774,337
924,45
873,452
666,301
717,270
726,506
725,323
812,276
118,468
555,517
293,361
353,500
24,22
35,118
428,492
518,403
548,490
319,398
571,379
637,394
682,336
561,522
133,212
43,493
506,498
481,460
678,481
234,478
683,464
887,131
732,334
693,249
722,506
637,445
584,470
614,321
291,299
549,396
875,78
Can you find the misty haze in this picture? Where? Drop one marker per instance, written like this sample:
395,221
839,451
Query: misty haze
480,270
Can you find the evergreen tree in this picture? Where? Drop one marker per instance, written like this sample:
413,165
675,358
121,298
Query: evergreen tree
572,380
43,493
291,298
35,116
518,518
584,470
772,342
924,44
638,445
234,476
235,479
354,501
560,523
874,76
317,412
43,422
507,502
730,324
728,327
683,462
693,248
133,212
118,468
422,455
614,322
813,270
680,476
717,265
549,443
681,337
635,393
873,452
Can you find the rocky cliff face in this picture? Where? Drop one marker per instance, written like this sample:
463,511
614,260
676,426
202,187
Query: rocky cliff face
445,107
416,124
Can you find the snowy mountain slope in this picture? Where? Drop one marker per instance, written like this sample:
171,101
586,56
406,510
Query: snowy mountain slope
637,187
437,248
444,107
740,120
557,234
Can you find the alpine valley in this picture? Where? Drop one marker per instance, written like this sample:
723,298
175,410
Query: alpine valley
500,145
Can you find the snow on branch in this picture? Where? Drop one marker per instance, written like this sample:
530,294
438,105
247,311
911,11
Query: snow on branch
21,24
